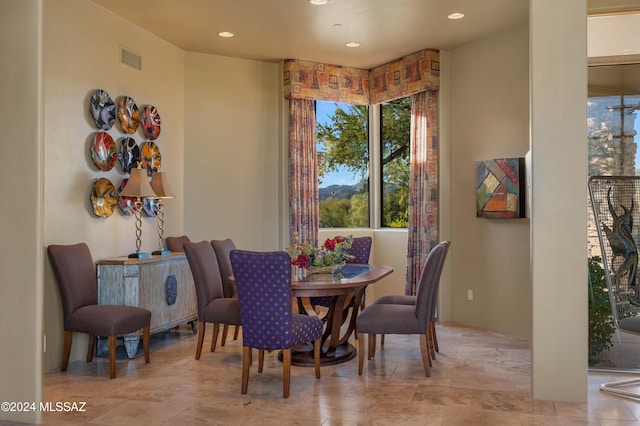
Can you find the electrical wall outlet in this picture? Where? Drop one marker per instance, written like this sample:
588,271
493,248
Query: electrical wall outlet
469,295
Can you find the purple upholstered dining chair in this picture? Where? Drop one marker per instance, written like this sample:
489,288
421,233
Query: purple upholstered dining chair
213,307
76,276
223,248
360,251
411,300
382,318
177,243
263,281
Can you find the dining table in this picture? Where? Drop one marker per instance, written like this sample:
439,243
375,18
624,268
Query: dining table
346,286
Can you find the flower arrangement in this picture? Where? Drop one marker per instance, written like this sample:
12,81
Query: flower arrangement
334,251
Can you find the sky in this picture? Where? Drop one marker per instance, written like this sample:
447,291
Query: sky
342,177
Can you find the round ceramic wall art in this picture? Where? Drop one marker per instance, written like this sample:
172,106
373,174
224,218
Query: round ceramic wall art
127,205
128,115
102,109
103,151
151,158
150,121
150,206
103,197
128,154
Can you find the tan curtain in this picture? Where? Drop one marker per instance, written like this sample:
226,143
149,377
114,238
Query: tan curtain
423,185
303,171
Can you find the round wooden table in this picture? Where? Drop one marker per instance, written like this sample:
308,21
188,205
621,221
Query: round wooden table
347,296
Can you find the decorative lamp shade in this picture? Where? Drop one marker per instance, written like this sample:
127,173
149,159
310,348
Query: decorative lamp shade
160,185
138,185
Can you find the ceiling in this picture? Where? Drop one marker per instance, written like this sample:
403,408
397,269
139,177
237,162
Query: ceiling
274,30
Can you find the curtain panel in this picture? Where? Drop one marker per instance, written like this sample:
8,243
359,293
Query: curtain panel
303,172
416,75
423,185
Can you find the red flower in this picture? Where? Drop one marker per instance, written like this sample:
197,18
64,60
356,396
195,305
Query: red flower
330,244
302,261
339,239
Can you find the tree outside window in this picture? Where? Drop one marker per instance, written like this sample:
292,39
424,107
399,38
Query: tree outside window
343,163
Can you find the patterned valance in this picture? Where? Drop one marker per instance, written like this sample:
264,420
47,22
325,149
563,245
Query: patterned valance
325,82
410,74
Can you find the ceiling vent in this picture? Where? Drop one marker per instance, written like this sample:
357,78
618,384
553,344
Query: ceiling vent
130,59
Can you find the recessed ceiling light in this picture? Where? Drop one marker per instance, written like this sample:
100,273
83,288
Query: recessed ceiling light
456,15
352,44
225,34
318,2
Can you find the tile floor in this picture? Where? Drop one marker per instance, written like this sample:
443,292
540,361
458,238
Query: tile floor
479,378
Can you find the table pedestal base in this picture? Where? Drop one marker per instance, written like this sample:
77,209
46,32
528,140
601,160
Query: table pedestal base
302,355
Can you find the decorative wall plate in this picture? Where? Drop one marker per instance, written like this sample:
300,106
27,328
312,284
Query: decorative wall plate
103,151
129,154
102,109
150,206
150,120
127,205
151,158
103,197
128,115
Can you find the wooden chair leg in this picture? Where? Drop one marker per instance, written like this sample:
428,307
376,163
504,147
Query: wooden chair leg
286,372
260,360
424,352
246,364
434,337
92,342
317,344
112,356
432,351
68,338
360,352
235,332
225,331
370,349
145,343
214,338
373,346
201,327
382,341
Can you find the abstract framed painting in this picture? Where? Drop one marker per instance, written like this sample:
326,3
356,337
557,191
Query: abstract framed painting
500,188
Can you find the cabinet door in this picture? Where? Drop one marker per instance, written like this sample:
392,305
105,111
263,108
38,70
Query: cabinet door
167,290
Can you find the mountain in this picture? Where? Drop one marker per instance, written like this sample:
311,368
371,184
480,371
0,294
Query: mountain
337,191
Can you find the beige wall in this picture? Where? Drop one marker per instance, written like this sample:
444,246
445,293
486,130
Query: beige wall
78,59
489,118
232,150
558,49
21,216
81,54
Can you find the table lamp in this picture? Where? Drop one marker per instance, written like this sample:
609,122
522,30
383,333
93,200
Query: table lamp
160,186
138,187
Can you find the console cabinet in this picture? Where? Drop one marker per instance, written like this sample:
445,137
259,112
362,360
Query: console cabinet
162,284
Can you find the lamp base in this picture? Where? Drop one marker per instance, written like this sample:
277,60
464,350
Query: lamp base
161,252
139,255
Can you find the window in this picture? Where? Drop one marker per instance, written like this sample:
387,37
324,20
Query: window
343,141
395,130
343,164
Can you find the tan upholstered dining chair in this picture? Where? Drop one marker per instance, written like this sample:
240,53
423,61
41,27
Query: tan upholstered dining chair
76,276
382,318
213,307
223,249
